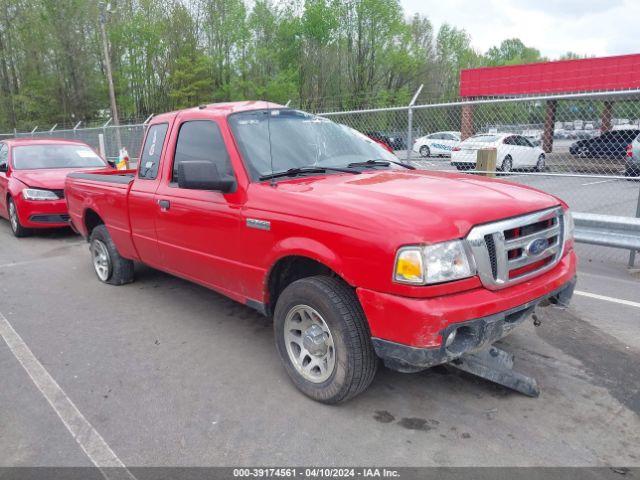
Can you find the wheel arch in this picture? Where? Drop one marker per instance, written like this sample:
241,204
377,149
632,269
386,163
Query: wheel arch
91,219
289,268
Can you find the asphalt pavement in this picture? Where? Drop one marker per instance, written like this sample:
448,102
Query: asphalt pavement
168,373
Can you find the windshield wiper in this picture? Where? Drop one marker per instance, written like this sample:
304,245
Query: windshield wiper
292,172
380,163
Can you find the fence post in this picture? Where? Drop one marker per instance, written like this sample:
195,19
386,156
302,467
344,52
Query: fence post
104,135
103,152
76,128
410,123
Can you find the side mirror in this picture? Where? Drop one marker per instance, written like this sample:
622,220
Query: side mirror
200,175
4,168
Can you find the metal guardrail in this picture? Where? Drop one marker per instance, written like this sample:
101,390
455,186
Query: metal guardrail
608,231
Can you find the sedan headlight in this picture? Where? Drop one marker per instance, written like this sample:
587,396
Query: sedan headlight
36,194
441,262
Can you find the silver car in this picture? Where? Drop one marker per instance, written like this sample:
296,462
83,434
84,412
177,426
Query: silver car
632,159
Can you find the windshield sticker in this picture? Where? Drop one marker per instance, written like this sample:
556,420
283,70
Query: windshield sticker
86,154
152,149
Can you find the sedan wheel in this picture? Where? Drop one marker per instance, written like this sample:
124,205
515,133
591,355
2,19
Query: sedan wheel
541,164
583,152
425,151
17,229
507,165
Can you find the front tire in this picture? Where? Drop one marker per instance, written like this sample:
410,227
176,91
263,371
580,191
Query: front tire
507,165
323,339
541,163
425,152
109,265
14,220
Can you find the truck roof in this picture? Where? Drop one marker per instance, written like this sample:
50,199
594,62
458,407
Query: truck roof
220,109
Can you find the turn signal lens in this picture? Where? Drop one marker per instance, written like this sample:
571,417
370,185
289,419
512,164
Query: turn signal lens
409,266
436,263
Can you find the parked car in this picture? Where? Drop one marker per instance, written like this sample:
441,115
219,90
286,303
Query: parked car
611,144
32,174
534,137
394,142
356,256
437,144
513,152
632,159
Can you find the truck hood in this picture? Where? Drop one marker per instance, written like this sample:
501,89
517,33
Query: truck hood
422,206
50,179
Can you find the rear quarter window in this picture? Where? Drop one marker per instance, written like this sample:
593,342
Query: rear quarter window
150,158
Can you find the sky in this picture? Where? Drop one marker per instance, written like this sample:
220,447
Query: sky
586,27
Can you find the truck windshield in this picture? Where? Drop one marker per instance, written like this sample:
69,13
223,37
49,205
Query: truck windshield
34,157
299,139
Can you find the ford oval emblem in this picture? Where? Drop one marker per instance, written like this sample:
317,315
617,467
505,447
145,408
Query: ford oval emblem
537,246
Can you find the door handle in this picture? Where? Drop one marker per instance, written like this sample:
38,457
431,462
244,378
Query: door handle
164,204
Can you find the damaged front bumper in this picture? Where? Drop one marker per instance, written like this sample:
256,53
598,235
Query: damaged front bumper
468,336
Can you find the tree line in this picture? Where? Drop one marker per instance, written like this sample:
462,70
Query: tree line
170,54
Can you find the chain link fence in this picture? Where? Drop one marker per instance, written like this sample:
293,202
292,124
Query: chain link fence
127,136
584,148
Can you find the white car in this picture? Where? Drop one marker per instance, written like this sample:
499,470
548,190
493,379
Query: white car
514,152
436,144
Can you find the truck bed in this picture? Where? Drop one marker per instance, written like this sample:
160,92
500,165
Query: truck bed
104,195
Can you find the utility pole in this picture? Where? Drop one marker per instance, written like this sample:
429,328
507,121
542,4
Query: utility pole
102,19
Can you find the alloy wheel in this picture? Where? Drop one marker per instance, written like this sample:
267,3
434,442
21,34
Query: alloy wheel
309,343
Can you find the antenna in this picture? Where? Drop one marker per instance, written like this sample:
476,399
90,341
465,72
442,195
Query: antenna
273,181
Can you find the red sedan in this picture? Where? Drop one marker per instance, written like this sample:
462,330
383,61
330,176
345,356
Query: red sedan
32,175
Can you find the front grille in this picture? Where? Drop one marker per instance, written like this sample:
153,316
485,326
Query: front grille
491,250
510,251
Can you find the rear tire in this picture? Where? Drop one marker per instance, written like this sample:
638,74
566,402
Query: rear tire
425,151
14,220
109,265
323,339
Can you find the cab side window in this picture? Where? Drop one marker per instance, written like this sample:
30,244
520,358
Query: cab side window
152,151
4,156
201,140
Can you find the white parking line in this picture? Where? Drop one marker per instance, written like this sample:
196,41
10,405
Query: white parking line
629,303
599,181
81,430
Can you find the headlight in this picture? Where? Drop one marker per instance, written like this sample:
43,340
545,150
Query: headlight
35,194
569,226
441,262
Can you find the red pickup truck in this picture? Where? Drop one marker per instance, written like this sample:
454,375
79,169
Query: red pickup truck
355,255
